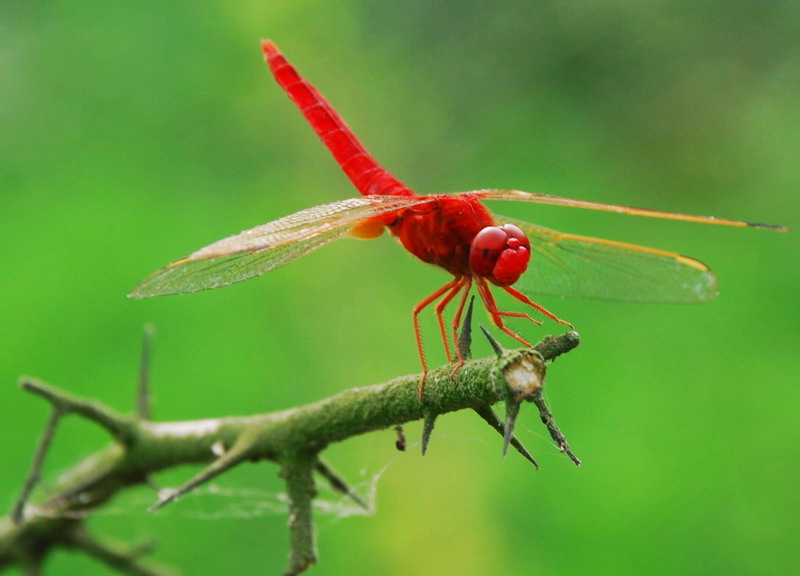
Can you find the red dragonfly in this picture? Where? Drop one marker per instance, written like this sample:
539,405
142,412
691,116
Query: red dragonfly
455,232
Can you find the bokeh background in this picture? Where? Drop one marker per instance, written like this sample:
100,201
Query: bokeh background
133,134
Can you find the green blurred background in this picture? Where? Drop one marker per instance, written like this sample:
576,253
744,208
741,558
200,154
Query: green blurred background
134,134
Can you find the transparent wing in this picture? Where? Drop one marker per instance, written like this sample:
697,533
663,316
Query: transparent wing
575,266
538,198
269,246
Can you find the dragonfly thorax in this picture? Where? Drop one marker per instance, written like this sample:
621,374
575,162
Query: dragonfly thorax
441,232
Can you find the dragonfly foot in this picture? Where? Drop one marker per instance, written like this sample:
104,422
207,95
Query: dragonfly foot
421,391
565,323
456,368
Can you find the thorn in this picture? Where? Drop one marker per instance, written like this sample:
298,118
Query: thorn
338,484
512,411
143,405
498,349
492,420
228,460
36,468
465,338
549,420
165,496
427,428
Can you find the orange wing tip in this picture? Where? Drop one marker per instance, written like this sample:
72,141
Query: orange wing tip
494,194
179,262
692,263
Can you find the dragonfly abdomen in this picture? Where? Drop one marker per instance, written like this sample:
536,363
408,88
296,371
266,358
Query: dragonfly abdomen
361,168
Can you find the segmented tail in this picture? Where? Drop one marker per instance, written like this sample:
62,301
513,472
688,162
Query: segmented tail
364,172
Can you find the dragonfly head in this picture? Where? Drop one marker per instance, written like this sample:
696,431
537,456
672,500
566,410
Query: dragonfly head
500,254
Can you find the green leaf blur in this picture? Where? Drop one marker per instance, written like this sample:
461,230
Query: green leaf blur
133,134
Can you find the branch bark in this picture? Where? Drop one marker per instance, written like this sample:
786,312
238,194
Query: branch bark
293,439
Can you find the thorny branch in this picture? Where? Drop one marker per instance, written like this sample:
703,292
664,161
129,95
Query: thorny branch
293,439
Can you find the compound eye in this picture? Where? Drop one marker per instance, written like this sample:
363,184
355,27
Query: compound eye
500,254
516,232
486,248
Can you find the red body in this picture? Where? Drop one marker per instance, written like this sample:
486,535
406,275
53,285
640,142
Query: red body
364,172
454,232
440,233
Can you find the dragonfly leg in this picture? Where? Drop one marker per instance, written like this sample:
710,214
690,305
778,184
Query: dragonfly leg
497,314
449,287
466,285
440,315
525,300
